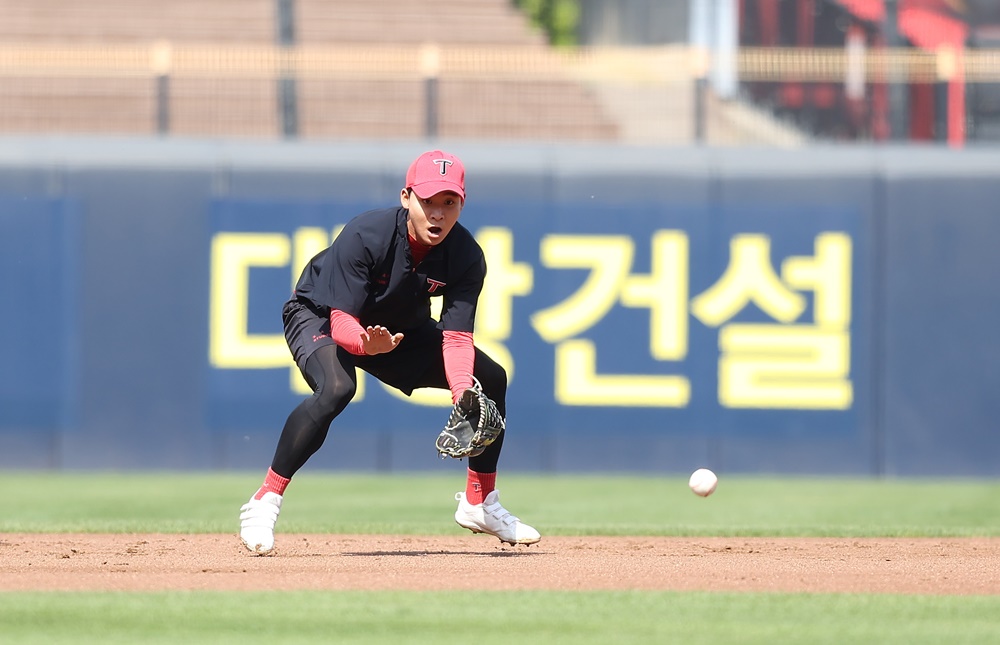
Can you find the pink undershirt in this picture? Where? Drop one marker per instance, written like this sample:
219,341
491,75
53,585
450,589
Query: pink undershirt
457,348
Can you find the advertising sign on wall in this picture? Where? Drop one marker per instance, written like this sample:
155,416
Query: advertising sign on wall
719,319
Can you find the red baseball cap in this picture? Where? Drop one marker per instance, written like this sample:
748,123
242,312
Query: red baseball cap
434,172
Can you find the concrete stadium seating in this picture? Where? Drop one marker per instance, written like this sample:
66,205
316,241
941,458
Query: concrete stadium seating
94,92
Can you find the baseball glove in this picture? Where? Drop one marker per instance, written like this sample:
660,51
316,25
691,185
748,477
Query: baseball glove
473,424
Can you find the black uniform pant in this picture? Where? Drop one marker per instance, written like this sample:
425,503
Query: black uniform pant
415,363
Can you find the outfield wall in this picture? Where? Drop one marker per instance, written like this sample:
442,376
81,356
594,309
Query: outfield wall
827,311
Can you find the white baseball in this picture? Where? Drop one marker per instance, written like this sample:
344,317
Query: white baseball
703,482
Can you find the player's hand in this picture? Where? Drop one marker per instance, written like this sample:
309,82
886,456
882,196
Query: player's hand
377,340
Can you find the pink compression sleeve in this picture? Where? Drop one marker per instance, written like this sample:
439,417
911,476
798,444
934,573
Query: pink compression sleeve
345,330
459,361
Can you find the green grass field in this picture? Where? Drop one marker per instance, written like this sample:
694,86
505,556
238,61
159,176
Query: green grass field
558,505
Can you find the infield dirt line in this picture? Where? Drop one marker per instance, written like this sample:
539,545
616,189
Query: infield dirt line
164,562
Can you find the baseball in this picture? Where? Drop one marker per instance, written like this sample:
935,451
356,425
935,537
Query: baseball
703,482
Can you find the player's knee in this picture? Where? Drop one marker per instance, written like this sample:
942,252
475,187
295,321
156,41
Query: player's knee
494,381
333,397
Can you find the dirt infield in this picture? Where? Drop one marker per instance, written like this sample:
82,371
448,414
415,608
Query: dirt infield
384,562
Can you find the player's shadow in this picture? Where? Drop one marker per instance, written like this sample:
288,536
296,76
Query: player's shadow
426,553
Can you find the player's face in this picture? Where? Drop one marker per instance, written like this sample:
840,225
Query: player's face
431,218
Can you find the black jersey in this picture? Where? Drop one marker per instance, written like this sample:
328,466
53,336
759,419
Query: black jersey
368,272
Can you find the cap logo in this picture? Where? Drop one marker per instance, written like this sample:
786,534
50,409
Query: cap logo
443,165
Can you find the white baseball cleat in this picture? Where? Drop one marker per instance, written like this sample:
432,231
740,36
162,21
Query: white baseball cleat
492,518
257,518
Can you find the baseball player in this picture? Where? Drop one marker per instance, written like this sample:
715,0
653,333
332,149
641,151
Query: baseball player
364,302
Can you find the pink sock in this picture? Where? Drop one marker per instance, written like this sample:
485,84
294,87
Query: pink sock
273,483
478,486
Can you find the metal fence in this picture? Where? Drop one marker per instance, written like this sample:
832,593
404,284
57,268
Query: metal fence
638,95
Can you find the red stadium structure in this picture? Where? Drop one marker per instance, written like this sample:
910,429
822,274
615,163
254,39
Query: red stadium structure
932,110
